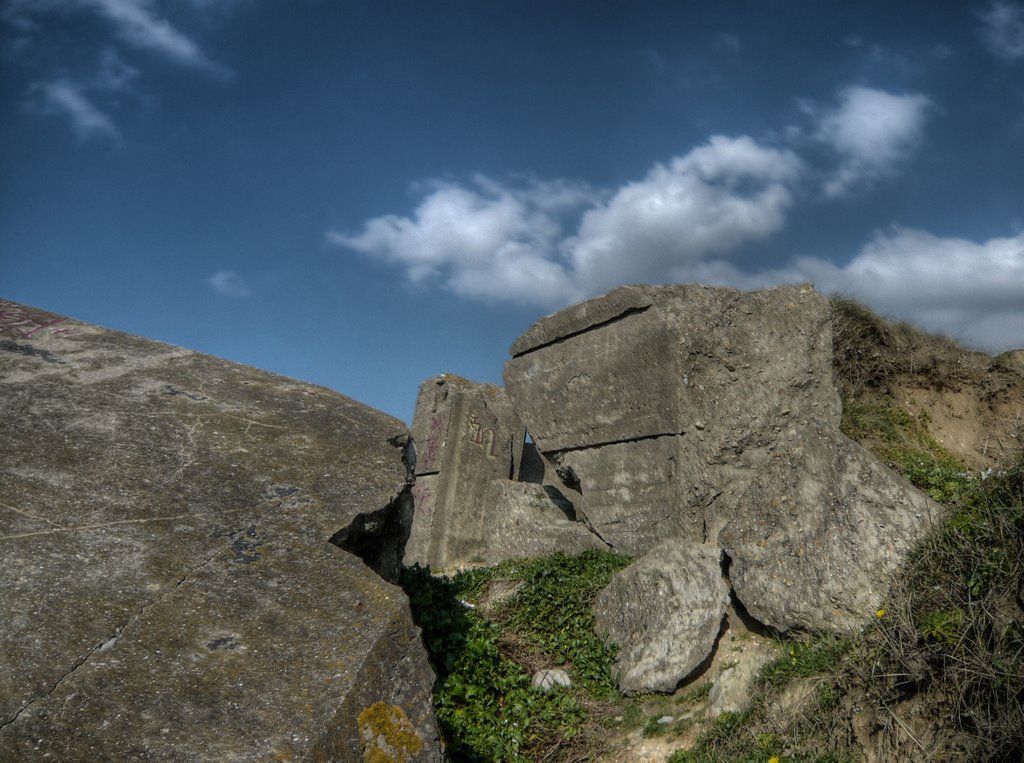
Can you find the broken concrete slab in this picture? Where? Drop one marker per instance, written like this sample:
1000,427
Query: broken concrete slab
672,366
664,612
169,586
632,494
818,530
465,435
711,415
527,519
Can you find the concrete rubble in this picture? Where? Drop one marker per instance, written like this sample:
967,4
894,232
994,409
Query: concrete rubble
471,503
709,417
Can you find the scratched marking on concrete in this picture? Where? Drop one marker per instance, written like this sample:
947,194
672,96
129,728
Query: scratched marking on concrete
18,322
421,495
434,439
93,527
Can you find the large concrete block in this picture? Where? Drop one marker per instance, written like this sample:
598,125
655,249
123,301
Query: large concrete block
169,588
465,435
671,360
711,416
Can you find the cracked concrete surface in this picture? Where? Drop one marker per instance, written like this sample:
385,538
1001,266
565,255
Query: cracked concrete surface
168,584
710,416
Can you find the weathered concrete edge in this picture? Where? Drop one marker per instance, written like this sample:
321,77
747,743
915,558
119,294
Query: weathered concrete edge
583,317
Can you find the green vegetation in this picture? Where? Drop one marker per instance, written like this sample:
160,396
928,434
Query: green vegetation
902,440
759,734
486,706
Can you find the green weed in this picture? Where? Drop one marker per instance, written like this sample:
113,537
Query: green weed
804,659
486,707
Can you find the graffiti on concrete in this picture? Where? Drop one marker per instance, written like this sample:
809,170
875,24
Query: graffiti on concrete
485,437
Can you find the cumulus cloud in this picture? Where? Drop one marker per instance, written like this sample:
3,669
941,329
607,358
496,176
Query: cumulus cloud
229,283
550,244
66,98
873,132
714,199
971,290
490,240
483,239
1003,30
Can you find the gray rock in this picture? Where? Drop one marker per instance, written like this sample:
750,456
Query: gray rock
465,435
664,612
830,524
711,415
169,586
546,680
634,494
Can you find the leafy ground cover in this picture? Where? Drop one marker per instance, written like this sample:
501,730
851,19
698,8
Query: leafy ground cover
485,703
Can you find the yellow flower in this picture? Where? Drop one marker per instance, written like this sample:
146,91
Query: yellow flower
773,759
880,613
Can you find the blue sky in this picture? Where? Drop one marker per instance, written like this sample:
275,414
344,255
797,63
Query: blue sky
365,194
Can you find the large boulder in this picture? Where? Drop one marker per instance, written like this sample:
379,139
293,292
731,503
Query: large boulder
664,612
169,587
710,416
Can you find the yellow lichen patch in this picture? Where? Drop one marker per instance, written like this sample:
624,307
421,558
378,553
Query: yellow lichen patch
387,734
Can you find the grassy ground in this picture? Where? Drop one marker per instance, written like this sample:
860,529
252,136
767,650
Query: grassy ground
485,649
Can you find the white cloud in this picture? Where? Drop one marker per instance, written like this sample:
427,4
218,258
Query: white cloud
113,74
954,286
719,196
550,244
1003,30
873,132
488,240
85,97
136,22
483,240
229,283
66,98
553,243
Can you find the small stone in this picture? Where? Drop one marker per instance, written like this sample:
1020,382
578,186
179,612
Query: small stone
546,680
665,720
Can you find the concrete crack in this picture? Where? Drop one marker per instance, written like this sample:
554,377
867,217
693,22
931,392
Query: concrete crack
551,454
584,520
29,515
591,327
